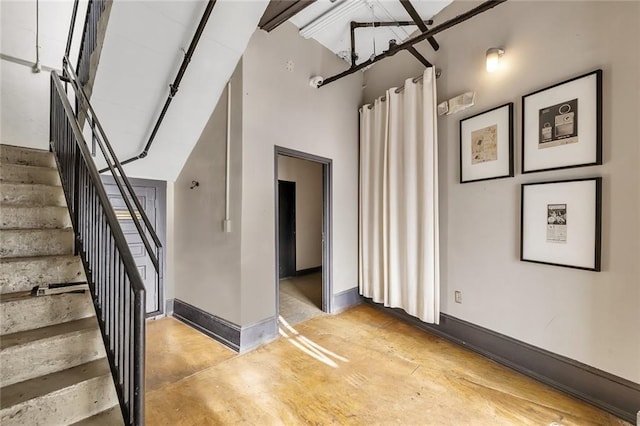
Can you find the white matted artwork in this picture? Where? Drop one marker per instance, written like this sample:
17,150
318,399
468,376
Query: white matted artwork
486,145
562,125
561,223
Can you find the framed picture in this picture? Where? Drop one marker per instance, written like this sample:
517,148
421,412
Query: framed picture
562,125
486,145
561,222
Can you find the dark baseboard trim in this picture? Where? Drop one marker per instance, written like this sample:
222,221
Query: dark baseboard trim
618,396
223,331
257,334
309,271
345,299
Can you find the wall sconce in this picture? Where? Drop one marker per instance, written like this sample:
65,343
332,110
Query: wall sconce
493,58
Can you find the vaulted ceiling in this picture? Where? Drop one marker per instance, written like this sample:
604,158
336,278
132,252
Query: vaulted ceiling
334,33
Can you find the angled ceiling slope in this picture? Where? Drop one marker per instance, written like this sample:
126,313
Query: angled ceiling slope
143,48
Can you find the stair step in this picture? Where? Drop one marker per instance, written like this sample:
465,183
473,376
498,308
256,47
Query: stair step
22,311
10,154
110,417
24,273
64,397
44,217
29,354
17,173
31,194
35,242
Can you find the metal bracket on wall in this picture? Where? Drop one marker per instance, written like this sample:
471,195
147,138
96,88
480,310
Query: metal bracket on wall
51,289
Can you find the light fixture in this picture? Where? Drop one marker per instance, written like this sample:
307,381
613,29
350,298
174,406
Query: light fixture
493,58
342,9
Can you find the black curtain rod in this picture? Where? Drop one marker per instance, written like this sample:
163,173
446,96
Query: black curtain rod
173,87
409,43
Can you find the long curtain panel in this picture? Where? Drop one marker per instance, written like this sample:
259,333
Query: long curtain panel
399,255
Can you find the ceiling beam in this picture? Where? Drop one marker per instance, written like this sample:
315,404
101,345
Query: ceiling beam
279,11
418,20
483,7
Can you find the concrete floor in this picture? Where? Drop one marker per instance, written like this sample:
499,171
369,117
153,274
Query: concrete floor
300,298
359,367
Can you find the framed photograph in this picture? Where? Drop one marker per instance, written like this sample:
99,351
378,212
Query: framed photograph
486,145
562,125
560,223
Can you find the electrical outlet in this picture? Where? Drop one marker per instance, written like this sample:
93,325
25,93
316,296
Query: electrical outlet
458,296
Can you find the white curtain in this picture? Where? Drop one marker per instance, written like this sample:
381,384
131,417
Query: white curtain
399,254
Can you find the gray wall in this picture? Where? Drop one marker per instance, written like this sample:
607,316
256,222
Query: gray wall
588,316
280,108
206,260
308,178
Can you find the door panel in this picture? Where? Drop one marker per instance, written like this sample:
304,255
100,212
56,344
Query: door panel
287,228
147,197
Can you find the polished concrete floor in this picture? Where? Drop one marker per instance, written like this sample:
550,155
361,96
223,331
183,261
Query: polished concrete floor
361,367
300,298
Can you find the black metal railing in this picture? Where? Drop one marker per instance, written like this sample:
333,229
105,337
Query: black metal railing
95,8
116,287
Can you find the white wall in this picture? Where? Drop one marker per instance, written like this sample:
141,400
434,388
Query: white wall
24,95
587,316
308,178
280,108
24,106
206,269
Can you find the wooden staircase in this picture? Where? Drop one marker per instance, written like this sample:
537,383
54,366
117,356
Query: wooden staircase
53,366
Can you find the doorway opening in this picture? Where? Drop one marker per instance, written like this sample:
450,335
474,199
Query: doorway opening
303,235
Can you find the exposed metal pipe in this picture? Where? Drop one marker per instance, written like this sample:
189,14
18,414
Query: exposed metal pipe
226,225
419,57
409,43
37,67
418,21
387,24
173,87
72,26
375,24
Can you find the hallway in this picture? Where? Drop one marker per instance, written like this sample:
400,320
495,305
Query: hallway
359,367
300,298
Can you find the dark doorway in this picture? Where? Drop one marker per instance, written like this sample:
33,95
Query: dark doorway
304,271
287,228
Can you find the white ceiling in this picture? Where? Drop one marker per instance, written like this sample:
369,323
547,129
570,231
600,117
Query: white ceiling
336,37
142,51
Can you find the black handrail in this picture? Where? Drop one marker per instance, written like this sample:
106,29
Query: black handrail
173,87
147,232
89,38
116,287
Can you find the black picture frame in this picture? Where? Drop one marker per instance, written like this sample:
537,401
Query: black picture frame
562,125
500,119
580,202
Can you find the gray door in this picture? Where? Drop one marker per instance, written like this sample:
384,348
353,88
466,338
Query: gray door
147,197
